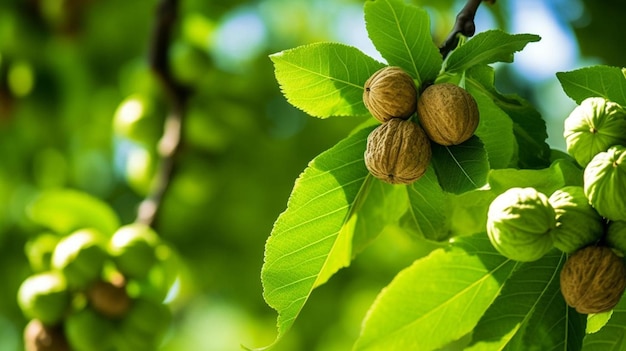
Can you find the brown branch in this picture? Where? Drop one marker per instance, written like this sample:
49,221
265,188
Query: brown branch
169,145
464,25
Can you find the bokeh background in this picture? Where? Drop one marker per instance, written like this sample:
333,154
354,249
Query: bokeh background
67,67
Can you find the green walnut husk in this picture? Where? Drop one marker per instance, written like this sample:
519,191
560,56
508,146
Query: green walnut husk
592,127
604,182
616,236
44,296
80,257
577,223
519,222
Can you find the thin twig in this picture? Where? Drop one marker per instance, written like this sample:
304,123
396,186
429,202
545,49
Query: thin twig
464,25
167,13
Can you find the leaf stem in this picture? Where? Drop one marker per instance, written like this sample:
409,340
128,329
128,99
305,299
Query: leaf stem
169,144
464,25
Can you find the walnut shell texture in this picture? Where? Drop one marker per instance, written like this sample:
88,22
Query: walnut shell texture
593,279
398,152
448,114
390,93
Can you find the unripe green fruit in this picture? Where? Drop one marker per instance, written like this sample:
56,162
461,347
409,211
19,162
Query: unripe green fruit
605,183
146,322
578,224
39,251
132,248
87,330
519,222
616,236
592,127
80,256
45,297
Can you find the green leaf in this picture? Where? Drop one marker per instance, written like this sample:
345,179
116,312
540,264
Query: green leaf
612,337
487,47
469,211
461,168
401,33
428,215
545,180
596,81
312,239
596,321
382,204
495,128
436,300
530,313
325,79
529,127
65,211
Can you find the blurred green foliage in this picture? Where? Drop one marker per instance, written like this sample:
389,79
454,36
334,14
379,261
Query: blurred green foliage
67,65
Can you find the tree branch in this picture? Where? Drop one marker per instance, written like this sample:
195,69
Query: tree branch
169,145
464,25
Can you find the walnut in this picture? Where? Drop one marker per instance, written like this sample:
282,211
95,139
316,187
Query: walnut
398,152
448,114
390,93
593,279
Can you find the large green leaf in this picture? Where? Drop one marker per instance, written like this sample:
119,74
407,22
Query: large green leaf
436,300
529,127
530,313
312,239
66,210
612,337
325,79
596,81
462,167
545,180
381,204
401,33
428,215
495,128
487,47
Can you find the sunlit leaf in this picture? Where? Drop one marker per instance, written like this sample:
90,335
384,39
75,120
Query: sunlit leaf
545,180
436,300
495,129
612,337
596,81
529,127
66,210
596,321
382,204
530,313
312,239
488,47
401,33
428,214
461,167
325,79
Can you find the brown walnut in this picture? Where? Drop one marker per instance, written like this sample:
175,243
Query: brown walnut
390,93
398,152
110,299
41,337
448,114
593,279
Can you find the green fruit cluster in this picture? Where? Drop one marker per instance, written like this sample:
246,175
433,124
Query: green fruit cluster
595,133
524,224
96,292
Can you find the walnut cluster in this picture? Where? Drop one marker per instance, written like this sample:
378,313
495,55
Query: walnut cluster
399,150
